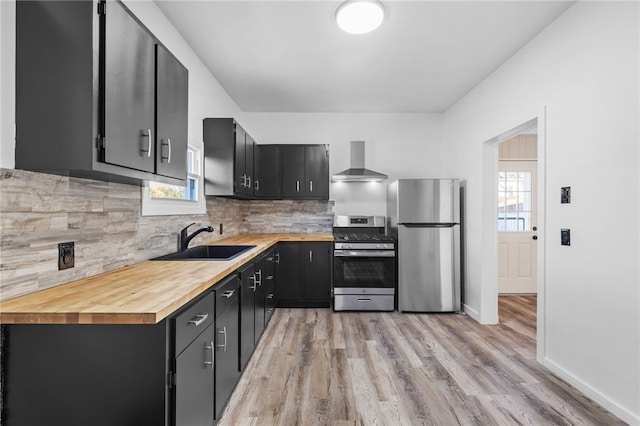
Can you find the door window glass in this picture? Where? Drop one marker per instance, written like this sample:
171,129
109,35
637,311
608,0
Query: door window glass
514,201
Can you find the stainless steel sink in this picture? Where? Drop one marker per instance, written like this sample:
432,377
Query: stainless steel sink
207,253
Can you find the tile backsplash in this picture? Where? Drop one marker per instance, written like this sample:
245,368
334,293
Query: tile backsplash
39,210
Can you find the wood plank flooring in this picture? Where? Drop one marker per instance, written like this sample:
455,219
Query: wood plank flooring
318,367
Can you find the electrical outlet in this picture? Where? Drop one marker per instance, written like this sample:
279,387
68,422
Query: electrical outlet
565,195
565,237
66,255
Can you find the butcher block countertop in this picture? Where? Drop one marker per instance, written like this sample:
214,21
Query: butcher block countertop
144,293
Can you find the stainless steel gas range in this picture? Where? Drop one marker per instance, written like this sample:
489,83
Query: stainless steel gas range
364,264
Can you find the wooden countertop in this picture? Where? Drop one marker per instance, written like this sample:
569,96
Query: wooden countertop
144,293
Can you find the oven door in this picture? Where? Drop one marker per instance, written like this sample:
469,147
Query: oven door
364,271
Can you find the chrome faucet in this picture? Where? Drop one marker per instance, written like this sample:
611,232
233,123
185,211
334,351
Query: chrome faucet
184,239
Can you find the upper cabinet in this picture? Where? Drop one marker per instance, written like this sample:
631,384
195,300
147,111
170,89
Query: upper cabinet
172,105
267,181
235,166
228,159
97,95
305,171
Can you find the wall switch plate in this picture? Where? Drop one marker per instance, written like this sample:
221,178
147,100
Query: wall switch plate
66,255
565,237
565,195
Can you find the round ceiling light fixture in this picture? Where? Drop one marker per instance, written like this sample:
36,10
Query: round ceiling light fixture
360,16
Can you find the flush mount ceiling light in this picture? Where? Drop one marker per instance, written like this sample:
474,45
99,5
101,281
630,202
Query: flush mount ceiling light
360,16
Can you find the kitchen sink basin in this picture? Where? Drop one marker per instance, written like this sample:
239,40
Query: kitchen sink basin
207,253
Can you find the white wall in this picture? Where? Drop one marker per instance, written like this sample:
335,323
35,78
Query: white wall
585,69
206,97
399,145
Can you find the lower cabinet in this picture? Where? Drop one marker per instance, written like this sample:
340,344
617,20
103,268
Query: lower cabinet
304,274
179,372
227,345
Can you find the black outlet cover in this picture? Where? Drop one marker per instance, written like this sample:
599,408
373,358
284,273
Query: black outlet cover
66,255
565,237
565,195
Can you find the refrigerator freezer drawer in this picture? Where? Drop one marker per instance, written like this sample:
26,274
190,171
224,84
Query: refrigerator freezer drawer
429,269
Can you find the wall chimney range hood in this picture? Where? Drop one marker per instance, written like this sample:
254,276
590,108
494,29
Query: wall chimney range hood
357,172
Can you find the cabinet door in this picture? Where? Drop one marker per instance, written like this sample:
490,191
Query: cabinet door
317,260
316,172
129,86
247,313
172,92
288,272
194,391
293,182
249,148
227,346
240,175
266,168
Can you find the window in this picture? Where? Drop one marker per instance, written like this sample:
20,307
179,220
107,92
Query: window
514,201
164,199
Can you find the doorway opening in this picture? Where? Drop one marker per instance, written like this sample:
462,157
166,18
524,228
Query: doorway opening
513,219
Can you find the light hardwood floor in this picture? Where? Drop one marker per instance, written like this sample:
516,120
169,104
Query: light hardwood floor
318,367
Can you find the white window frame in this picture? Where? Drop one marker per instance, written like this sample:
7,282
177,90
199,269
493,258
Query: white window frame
166,207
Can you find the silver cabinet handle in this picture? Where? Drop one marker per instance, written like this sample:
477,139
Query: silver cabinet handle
364,300
228,294
310,186
168,145
210,363
277,257
270,296
297,186
199,319
259,278
249,182
149,137
255,282
244,181
269,277
310,256
224,333
256,185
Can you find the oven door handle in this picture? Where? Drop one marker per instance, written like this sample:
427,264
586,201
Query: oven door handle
364,253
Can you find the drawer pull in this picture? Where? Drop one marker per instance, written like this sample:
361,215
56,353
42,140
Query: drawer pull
364,300
199,319
209,363
228,294
223,332
270,296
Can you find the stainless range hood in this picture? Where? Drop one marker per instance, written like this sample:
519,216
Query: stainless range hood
357,172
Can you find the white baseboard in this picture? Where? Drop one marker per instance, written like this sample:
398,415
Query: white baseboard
612,406
471,312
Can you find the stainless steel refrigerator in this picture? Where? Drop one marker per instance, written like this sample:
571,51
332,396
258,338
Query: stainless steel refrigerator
424,217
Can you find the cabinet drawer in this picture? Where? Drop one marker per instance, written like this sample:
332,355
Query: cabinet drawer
227,294
192,321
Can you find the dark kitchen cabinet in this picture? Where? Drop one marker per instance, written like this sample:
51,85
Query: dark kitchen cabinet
267,171
227,372
305,171
87,374
228,158
86,93
303,270
265,273
248,285
172,100
194,387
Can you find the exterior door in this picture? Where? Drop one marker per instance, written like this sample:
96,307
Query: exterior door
517,236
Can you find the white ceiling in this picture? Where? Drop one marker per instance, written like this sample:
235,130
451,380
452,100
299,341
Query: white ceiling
289,56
